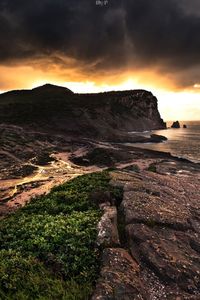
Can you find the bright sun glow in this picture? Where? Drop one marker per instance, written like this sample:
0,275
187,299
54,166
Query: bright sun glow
172,105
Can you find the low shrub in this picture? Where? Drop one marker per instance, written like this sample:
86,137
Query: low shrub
152,168
48,247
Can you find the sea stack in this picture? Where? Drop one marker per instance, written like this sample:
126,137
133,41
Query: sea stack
184,126
176,125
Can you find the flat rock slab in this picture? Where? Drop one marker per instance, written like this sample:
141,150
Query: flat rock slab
169,253
161,213
119,277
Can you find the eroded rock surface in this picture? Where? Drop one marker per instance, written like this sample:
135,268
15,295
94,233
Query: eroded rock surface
159,221
119,276
107,227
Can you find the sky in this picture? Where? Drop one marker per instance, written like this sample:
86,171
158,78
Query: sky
100,45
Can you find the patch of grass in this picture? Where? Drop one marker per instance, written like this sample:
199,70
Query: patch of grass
48,247
24,278
152,168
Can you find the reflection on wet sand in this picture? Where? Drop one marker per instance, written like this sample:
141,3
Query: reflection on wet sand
17,192
183,142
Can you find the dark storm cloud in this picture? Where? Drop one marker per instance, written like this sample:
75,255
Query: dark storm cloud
137,33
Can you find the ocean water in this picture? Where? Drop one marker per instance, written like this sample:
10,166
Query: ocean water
183,142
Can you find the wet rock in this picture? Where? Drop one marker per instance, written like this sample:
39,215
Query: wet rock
156,138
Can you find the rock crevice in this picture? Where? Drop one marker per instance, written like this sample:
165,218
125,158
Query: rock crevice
159,226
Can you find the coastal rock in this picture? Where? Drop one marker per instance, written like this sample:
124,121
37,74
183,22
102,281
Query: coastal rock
152,235
176,125
105,116
107,227
184,126
162,225
156,138
151,239
168,252
119,278
101,198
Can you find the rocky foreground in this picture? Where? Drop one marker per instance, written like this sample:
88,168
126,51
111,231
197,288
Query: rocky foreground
32,161
152,238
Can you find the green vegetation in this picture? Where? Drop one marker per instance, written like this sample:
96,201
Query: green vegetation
48,247
152,168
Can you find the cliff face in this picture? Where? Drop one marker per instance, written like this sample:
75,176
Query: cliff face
129,110
94,115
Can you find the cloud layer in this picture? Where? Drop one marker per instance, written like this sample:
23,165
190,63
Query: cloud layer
125,34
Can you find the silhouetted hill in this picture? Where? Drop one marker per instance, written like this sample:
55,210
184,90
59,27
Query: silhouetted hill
95,115
50,88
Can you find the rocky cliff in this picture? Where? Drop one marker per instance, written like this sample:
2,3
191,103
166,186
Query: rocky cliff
103,115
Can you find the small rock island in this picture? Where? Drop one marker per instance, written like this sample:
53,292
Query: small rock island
176,124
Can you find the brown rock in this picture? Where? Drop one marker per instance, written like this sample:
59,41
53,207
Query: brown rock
119,278
98,197
107,227
156,138
162,227
168,253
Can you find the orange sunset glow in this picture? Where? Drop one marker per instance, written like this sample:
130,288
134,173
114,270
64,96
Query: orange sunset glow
174,102
100,149
90,48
